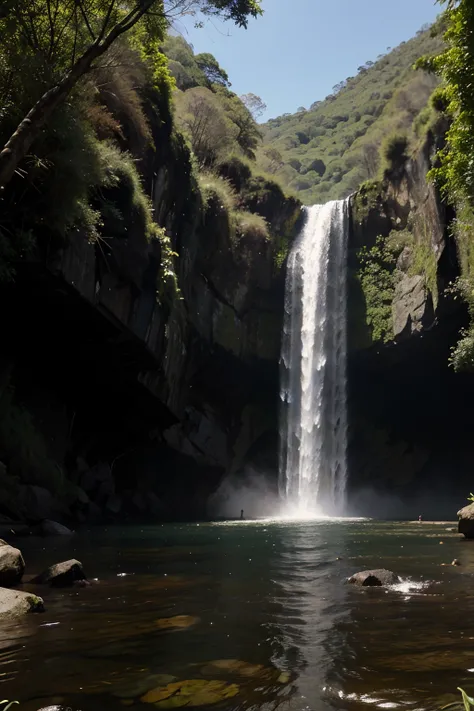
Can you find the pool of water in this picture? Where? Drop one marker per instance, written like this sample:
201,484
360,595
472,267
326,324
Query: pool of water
269,594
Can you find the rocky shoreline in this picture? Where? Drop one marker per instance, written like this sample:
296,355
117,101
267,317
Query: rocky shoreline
15,602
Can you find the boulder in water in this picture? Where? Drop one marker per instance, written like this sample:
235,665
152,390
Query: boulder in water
466,521
14,603
374,578
12,565
61,575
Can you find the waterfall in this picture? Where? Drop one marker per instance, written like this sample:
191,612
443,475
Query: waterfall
313,455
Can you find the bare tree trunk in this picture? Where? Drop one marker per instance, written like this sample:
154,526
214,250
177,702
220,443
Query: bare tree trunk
30,127
28,130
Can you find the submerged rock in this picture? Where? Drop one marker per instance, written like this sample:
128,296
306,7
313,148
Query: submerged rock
138,687
14,603
374,578
180,622
237,666
12,565
61,575
466,521
52,528
193,692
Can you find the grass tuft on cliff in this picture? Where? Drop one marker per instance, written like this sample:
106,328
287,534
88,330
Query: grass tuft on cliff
217,190
249,225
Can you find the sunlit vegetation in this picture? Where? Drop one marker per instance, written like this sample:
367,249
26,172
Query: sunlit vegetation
328,150
224,135
454,169
78,83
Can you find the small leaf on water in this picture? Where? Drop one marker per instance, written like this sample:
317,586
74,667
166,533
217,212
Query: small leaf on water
467,700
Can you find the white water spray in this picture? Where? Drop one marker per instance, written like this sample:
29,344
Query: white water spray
313,456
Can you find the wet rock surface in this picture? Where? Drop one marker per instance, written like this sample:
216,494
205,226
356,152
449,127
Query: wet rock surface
14,603
466,521
374,578
65,574
12,565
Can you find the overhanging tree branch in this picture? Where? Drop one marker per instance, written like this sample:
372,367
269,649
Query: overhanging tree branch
20,142
31,126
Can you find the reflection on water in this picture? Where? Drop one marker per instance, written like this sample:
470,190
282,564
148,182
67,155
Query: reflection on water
250,616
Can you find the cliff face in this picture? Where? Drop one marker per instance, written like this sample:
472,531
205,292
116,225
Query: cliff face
126,390
147,392
410,412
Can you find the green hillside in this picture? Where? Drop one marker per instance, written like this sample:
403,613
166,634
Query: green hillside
324,153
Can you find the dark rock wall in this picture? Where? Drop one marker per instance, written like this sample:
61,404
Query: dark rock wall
146,398
411,415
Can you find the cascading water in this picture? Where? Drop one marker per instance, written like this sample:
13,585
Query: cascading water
313,456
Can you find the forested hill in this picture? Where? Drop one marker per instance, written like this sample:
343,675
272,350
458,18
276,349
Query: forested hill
324,153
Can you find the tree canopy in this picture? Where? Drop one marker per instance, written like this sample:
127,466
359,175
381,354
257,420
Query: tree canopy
63,40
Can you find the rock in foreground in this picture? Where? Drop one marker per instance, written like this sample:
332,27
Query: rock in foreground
374,578
466,521
61,575
12,565
14,603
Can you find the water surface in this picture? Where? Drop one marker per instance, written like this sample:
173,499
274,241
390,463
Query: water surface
267,593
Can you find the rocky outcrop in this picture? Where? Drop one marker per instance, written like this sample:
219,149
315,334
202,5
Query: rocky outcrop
374,578
12,565
466,521
409,412
53,528
61,575
16,604
403,218
412,307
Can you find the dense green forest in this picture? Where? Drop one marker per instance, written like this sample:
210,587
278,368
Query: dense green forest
327,151
81,85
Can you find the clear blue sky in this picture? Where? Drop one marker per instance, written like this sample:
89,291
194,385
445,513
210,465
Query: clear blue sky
300,49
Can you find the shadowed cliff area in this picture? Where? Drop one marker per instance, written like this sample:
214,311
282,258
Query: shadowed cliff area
410,413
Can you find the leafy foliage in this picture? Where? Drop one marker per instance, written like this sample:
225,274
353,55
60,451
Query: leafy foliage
376,274
454,170
218,112
366,199
68,39
394,152
203,118
467,701
211,69
462,354
456,67
328,150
